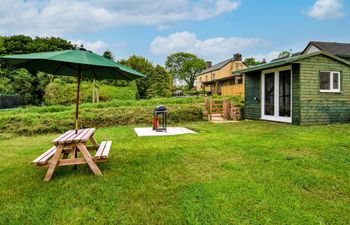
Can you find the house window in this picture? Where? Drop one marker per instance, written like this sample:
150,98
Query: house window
213,76
330,81
239,80
206,78
200,80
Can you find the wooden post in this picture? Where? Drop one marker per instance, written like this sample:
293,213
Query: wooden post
78,100
88,159
53,163
93,91
97,94
210,108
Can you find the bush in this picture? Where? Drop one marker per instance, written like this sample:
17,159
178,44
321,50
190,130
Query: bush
62,93
33,120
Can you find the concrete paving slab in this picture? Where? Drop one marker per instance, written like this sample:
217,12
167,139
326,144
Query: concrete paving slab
147,131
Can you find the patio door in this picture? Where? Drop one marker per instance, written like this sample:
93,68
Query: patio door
276,96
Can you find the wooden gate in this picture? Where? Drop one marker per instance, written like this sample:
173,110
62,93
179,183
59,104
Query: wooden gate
216,108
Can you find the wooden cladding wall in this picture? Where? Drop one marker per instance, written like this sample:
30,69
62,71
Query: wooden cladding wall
232,90
253,95
323,108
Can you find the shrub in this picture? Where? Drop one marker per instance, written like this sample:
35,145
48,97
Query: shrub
60,92
46,119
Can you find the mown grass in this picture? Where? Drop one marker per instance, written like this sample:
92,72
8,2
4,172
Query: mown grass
241,173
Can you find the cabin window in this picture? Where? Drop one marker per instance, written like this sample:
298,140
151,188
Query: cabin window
330,81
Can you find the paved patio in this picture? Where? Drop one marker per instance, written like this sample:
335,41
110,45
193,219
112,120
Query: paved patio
147,131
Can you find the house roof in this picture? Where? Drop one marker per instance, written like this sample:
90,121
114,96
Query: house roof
338,49
215,67
218,66
289,61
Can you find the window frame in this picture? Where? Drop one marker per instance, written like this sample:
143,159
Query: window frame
331,84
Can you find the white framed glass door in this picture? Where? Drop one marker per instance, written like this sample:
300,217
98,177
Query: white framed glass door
276,104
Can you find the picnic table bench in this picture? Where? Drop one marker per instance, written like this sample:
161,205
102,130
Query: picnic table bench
70,143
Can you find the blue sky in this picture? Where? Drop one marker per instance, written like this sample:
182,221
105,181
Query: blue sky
212,29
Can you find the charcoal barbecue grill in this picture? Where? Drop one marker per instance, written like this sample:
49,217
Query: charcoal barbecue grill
160,119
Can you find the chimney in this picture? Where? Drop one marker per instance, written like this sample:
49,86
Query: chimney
263,61
237,57
208,64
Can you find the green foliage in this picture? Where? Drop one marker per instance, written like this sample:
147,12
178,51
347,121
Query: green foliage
30,87
284,54
6,86
20,44
157,82
251,62
184,67
2,47
160,84
108,54
61,92
33,120
192,92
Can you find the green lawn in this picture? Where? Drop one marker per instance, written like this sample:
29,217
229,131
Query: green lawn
240,173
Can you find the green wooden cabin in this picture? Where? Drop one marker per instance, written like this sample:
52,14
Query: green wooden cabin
310,87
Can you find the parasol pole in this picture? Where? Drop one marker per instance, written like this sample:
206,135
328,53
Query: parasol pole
77,101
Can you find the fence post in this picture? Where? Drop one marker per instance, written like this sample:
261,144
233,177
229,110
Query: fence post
224,108
210,108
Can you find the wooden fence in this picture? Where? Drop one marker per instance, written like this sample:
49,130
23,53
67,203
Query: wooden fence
223,107
232,90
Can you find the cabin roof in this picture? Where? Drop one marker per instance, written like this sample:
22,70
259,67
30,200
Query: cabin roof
289,61
335,48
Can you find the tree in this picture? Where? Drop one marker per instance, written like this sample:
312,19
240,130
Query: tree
108,54
6,86
20,44
30,87
184,67
284,54
160,83
251,62
157,82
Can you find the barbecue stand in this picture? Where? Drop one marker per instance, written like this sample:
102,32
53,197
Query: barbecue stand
159,118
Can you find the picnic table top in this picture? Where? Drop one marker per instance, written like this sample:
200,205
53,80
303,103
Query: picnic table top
71,136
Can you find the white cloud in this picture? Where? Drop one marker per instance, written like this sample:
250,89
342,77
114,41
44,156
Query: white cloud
57,17
97,46
326,9
218,48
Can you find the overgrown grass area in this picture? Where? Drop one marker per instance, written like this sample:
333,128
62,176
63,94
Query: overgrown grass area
45,119
239,173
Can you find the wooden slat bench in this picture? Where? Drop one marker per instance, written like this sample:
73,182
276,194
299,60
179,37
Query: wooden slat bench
44,158
103,150
69,144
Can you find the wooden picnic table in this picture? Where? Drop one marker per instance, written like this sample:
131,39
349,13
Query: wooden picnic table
71,143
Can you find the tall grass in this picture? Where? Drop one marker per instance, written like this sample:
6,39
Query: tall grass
32,120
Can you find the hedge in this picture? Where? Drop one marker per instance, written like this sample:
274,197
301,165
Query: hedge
34,123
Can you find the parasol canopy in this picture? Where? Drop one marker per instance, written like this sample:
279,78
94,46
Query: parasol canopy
77,62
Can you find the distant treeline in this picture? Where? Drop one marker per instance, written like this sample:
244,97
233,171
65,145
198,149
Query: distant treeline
34,89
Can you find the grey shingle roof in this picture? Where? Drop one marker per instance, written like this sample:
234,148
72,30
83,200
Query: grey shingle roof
338,49
216,66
